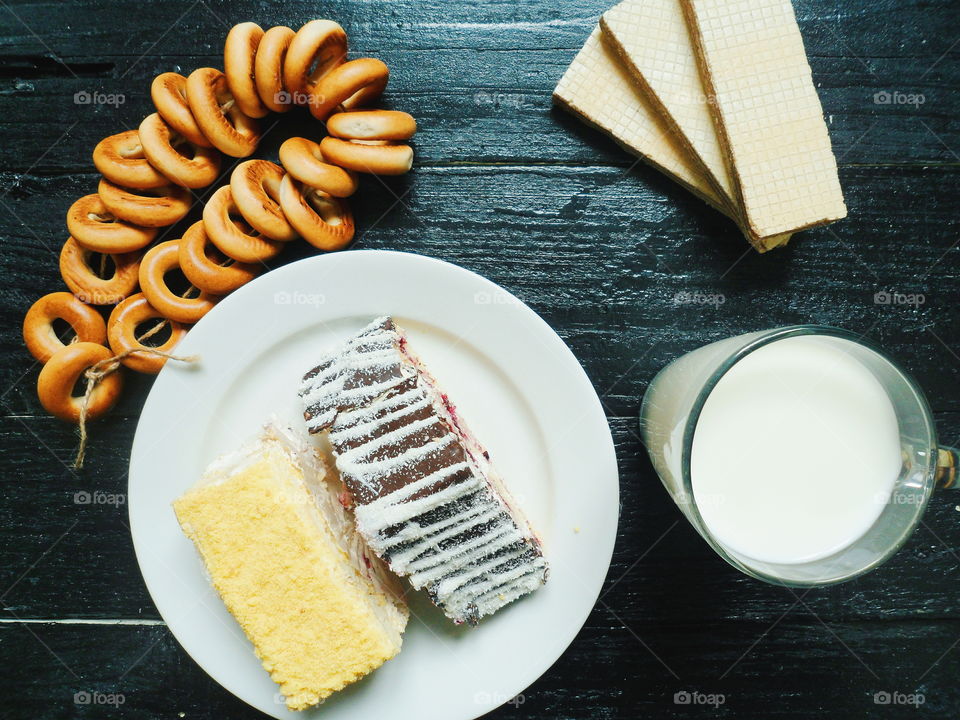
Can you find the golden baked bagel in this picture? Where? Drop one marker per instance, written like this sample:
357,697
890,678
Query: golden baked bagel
322,220
88,285
62,372
123,334
39,334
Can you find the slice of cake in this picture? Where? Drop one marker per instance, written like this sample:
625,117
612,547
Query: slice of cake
425,495
320,609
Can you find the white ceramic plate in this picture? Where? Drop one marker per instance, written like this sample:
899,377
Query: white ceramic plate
527,399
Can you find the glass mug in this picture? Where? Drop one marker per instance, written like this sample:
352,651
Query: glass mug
668,421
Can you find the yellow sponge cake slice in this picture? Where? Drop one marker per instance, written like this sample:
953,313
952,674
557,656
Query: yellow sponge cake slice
284,555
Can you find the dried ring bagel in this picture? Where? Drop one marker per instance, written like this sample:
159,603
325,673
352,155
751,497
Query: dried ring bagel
302,159
61,373
320,45
239,53
324,221
121,160
122,334
158,261
169,94
162,206
372,125
38,332
206,273
163,149
230,239
268,68
218,115
376,157
90,287
255,187
97,228
353,84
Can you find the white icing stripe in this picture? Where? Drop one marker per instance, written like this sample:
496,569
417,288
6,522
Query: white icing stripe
499,597
360,362
319,422
323,379
454,558
462,600
530,575
319,393
406,556
378,336
499,580
368,473
402,494
370,389
424,573
414,531
452,584
372,334
359,430
363,414
387,439
403,512
335,389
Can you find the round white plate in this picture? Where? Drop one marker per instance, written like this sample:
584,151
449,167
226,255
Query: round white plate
527,399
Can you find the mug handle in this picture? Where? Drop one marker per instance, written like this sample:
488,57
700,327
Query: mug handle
946,473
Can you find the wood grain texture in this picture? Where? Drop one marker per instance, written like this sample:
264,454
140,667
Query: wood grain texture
607,251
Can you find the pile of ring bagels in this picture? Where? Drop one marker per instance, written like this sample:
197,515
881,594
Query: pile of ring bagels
147,178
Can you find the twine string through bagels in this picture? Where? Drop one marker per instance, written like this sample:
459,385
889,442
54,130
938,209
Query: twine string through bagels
95,373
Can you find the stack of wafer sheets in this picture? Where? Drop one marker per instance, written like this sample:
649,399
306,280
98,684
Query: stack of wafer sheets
718,95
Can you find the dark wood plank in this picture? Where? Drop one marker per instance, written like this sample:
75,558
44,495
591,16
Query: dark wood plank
88,28
484,117
609,254
790,670
481,92
626,246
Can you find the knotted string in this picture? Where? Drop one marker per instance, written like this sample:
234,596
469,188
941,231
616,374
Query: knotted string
98,371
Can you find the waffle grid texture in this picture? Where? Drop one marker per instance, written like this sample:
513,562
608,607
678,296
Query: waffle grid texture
652,40
598,89
767,113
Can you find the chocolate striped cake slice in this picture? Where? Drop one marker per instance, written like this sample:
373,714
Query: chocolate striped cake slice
425,496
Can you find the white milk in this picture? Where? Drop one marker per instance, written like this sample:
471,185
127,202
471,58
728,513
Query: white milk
795,453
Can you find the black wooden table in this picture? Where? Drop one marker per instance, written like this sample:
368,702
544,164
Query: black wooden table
598,245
